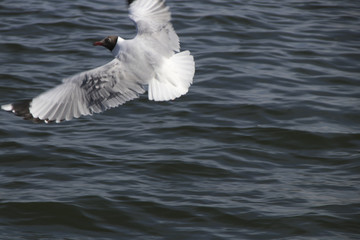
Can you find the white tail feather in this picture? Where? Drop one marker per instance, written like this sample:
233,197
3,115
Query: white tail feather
174,78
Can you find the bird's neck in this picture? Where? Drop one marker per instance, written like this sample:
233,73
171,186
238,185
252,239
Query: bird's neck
116,49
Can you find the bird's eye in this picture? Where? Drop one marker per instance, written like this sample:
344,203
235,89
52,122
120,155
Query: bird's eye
108,40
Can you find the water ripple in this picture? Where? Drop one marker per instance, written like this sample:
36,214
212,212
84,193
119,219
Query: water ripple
264,145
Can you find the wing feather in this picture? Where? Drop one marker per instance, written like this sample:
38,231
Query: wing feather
85,93
152,17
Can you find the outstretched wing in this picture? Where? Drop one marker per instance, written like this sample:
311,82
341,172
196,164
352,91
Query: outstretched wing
88,92
152,18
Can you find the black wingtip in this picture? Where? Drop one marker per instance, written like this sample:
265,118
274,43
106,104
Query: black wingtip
22,109
130,2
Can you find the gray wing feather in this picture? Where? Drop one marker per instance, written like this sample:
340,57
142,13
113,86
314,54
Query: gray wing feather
88,92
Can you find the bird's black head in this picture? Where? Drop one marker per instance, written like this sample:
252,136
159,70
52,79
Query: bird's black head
108,42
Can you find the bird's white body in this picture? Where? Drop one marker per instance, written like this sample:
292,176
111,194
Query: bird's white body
151,58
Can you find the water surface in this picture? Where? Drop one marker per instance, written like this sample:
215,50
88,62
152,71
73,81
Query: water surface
264,146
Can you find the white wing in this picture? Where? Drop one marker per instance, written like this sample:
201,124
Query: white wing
88,92
152,18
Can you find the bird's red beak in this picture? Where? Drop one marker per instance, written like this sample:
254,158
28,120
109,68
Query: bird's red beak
98,43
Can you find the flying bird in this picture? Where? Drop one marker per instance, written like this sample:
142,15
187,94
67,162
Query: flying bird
152,60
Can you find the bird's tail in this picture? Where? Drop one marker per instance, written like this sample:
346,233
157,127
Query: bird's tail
174,78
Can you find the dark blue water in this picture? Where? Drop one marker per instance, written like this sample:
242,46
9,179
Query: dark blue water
266,144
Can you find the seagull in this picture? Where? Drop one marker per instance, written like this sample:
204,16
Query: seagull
152,60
